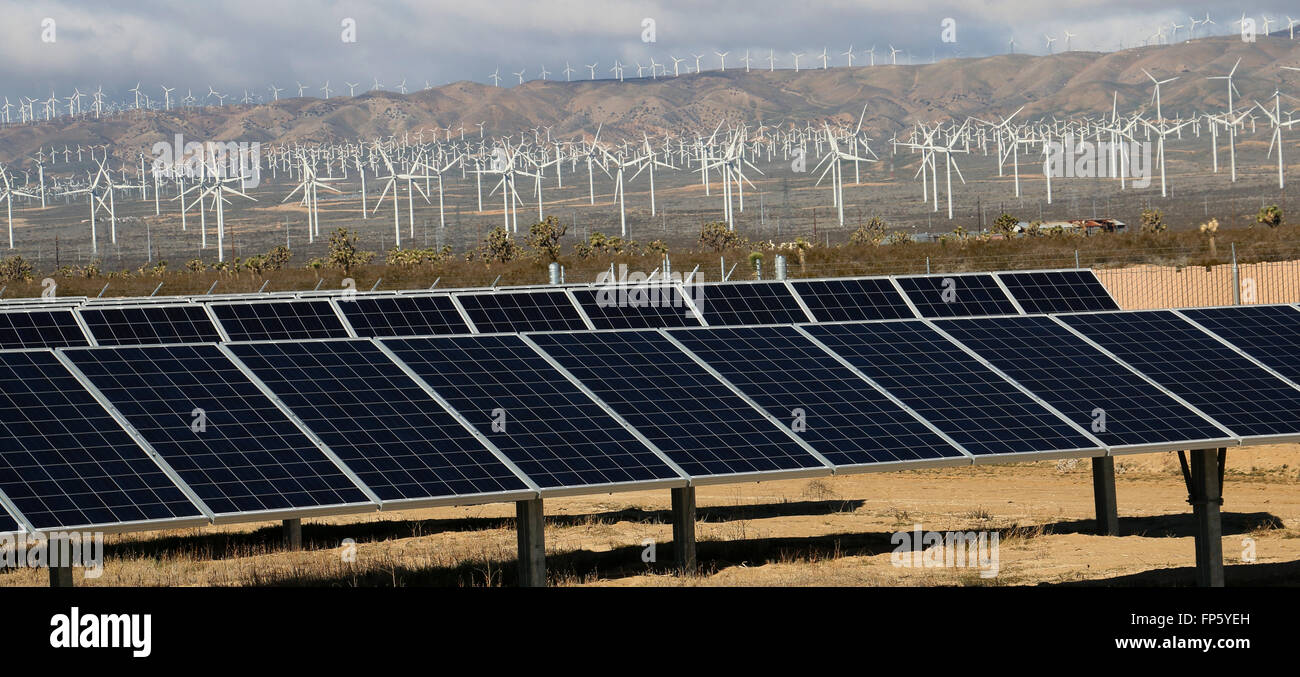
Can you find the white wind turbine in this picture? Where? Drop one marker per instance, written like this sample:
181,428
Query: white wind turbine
1232,128
796,60
1050,40
849,54
352,87
1068,35
592,67
722,59
310,199
893,55
495,77
7,194
835,158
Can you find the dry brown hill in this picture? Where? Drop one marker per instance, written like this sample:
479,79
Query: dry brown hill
1061,85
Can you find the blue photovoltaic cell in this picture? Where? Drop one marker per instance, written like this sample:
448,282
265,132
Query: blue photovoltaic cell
279,320
850,300
730,304
637,306
679,406
147,325
1270,334
547,426
509,312
843,417
963,398
64,461
220,433
40,329
404,315
1195,366
1077,379
749,303
957,295
1058,291
397,439
8,524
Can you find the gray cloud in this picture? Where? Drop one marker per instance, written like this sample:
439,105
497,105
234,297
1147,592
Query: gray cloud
245,44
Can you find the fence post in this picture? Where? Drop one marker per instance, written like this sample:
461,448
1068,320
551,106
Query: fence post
1236,278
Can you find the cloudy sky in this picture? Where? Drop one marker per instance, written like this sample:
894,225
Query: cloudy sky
235,45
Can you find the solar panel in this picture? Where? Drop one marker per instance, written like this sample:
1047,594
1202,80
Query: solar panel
963,398
749,303
397,439
8,525
521,311
279,320
700,424
545,424
1192,364
145,325
220,433
1270,334
403,315
836,411
957,295
1058,291
636,306
65,462
40,329
852,299
1085,384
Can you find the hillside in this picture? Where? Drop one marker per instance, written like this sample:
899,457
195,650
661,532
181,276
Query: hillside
1062,85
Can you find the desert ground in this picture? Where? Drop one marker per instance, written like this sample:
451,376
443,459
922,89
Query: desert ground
809,532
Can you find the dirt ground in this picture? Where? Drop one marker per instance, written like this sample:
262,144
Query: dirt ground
818,532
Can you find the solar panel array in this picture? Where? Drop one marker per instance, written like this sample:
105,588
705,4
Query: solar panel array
1089,387
225,438
957,295
64,462
852,299
638,306
521,311
307,421
406,315
280,320
701,425
749,303
837,411
1270,334
144,325
546,425
1195,366
974,405
395,436
40,329
1058,291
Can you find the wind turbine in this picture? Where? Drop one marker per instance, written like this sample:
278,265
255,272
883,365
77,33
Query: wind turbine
722,58
308,186
849,54
1068,35
796,60
7,194
495,76
1050,40
1232,128
893,55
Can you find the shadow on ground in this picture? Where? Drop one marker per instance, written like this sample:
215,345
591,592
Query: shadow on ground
622,562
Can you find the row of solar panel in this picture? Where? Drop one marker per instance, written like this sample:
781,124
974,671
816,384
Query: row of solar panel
147,437
612,307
